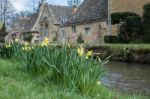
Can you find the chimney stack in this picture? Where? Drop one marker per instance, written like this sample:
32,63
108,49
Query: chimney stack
42,3
75,8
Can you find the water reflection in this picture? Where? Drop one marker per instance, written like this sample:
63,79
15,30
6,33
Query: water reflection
128,77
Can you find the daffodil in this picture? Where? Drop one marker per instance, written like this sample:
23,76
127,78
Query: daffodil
46,39
45,42
26,44
16,40
89,53
80,51
8,45
26,48
98,83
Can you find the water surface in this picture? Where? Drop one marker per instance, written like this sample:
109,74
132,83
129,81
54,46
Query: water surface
128,77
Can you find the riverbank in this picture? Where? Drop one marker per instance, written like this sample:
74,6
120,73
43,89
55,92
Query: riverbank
137,53
15,83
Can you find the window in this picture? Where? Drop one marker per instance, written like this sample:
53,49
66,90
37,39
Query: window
46,25
37,37
46,30
87,30
74,29
63,33
63,21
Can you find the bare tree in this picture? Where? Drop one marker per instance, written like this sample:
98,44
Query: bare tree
6,11
74,2
33,5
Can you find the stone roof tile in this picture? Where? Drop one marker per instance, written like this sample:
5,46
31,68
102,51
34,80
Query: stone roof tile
90,10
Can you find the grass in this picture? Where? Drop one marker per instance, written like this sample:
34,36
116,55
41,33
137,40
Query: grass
15,83
136,46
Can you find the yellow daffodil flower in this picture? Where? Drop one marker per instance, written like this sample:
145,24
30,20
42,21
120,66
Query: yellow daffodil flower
80,51
89,53
45,42
8,45
98,83
26,43
46,39
26,48
16,40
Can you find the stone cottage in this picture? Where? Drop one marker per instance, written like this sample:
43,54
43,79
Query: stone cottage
49,20
88,21
46,23
21,27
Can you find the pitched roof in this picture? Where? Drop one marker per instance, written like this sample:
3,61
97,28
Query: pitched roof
90,10
60,11
29,23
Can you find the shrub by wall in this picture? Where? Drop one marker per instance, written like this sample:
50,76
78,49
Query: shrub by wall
111,39
132,20
146,23
80,39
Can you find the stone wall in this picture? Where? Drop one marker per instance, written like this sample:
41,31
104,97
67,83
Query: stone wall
122,53
97,32
115,30
135,6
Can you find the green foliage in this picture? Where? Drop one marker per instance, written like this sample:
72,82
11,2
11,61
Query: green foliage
132,20
61,65
80,39
111,39
146,22
134,26
5,52
121,16
17,84
8,51
138,41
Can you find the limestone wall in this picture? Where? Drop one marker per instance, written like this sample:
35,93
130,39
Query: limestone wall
135,6
97,32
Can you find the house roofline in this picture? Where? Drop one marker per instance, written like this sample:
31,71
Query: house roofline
85,22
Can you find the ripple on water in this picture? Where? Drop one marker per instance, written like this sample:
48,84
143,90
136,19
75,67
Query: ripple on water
128,77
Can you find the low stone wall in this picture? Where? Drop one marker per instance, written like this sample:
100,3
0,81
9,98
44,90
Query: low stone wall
123,54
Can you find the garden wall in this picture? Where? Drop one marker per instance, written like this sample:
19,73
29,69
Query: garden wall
123,53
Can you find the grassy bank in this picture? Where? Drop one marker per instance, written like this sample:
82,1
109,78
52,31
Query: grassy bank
135,46
15,83
139,53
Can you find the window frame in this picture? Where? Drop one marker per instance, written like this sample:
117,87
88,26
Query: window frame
87,30
74,29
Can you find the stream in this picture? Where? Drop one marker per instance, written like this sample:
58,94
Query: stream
128,77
